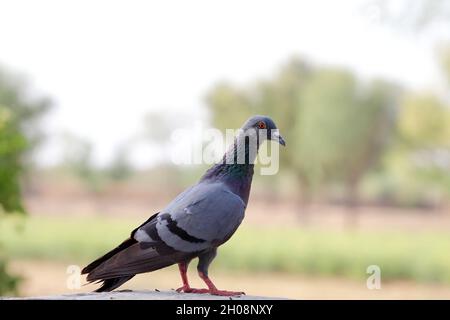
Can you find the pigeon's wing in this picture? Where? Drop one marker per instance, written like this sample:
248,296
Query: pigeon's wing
202,217
211,213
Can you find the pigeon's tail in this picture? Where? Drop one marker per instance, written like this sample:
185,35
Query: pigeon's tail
127,243
113,283
130,258
110,283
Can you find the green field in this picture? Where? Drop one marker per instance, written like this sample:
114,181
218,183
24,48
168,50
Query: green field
420,256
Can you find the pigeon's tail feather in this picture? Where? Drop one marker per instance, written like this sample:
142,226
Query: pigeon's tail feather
133,260
124,245
127,243
113,283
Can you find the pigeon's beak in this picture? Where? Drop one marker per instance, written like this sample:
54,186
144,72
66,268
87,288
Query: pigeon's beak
276,136
281,141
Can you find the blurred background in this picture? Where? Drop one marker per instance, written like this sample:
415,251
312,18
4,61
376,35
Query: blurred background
90,93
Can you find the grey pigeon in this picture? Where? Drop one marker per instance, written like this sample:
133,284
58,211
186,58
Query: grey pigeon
195,223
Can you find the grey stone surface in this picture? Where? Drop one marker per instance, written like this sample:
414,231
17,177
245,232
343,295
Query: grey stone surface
142,295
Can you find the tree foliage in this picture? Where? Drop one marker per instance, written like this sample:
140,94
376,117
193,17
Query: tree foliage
19,133
12,145
417,167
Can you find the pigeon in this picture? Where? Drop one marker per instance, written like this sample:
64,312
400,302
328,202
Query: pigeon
195,223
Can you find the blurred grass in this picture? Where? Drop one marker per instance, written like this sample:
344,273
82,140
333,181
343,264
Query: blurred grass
419,256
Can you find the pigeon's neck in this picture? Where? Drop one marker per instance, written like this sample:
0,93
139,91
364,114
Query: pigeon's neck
236,168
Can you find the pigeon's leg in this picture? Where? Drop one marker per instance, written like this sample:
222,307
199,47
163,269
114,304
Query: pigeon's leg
183,266
203,265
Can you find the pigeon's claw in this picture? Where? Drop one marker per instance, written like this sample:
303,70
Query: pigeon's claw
183,289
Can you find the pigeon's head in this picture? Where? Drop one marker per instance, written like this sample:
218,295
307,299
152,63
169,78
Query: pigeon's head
264,127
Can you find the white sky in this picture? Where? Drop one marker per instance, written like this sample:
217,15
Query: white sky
107,63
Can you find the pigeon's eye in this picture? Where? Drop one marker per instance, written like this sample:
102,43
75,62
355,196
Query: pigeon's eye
261,125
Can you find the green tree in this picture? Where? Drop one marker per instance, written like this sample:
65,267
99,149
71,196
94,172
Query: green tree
12,145
120,168
78,159
19,133
25,109
344,129
418,165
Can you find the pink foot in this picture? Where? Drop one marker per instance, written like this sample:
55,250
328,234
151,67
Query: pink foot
226,293
188,289
193,290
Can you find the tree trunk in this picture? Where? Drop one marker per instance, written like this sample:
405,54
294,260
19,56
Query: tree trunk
303,201
352,205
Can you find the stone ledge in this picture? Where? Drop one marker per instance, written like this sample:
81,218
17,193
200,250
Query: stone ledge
141,295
